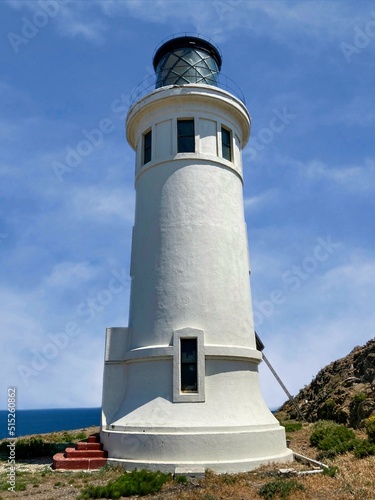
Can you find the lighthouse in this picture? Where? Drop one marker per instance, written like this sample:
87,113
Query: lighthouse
181,386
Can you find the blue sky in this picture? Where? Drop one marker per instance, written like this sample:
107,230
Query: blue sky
306,70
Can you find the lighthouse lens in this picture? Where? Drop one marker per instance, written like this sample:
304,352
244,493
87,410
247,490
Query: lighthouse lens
186,65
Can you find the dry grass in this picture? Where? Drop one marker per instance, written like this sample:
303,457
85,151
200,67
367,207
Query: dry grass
355,480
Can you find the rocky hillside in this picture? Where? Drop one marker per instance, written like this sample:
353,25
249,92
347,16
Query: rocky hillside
343,391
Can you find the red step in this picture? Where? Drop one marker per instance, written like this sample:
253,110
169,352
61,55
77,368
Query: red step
85,456
89,446
74,453
61,462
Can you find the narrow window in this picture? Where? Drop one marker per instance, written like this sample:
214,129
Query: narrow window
185,136
226,144
147,140
189,366
189,370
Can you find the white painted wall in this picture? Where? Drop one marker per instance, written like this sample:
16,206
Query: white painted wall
190,276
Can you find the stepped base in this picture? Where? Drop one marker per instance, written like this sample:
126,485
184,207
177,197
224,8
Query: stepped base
85,456
229,451
224,467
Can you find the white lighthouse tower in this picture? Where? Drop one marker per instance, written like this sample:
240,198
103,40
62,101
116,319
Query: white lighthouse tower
181,381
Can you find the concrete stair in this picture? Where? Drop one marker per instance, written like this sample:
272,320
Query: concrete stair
87,455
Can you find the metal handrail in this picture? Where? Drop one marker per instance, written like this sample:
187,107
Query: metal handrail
148,84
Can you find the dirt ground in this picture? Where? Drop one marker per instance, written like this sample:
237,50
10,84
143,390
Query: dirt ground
355,479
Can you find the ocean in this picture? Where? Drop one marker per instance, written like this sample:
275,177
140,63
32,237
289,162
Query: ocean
42,421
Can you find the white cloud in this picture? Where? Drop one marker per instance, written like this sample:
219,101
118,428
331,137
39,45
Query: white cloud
21,330
358,112
355,279
19,4
70,274
18,323
256,202
6,169
49,367
354,177
8,130
73,378
351,177
72,18
103,203
338,314
73,23
281,20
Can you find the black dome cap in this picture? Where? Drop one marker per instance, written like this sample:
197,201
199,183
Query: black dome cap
186,42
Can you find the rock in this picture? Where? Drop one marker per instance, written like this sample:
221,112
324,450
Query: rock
343,391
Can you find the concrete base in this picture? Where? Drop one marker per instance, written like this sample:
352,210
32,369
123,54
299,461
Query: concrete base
233,430
192,472
229,451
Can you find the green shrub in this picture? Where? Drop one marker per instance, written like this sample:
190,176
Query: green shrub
32,448
228,479
331,471
181,479
327,411
291,426
370,428
280,488
332,438
68,437
359,397
19,485
28,447
134,483
81,436
41,446
363,448
330,403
